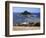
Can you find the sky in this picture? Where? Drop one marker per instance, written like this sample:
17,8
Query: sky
22,9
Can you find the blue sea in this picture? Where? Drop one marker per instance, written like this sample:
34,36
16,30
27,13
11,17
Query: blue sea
18,18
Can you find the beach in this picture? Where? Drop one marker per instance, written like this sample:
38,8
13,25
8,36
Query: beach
19,28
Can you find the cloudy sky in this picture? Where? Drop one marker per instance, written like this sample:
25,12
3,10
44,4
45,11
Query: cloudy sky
22,9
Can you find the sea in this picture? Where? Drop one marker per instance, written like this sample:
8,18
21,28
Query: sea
18,18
